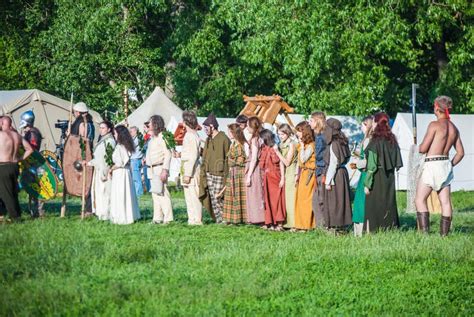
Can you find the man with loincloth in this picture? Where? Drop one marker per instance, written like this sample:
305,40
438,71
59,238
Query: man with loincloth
11,143
437,171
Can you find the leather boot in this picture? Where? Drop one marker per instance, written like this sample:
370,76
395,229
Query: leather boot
423,221
445,225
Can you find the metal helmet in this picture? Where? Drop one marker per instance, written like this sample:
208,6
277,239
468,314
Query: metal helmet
27,118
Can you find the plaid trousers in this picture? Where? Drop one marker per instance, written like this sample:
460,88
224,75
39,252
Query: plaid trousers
215,184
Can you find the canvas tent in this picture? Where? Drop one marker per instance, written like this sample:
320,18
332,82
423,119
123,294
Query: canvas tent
156,104
463,172
47,109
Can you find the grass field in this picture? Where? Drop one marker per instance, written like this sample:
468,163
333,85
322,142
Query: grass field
71,267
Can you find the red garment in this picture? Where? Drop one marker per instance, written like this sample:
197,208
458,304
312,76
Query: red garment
275,210
146,137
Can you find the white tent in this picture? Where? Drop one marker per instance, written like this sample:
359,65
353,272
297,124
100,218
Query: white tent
156,104
47,109
463,172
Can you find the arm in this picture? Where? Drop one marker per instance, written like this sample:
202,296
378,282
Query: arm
282,174
371,169
331,168
305,154
428,139
289,156
459,151
253,161
190,154
28,149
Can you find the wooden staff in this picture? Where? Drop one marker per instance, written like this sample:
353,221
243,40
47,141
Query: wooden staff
63,204
84,172
125,102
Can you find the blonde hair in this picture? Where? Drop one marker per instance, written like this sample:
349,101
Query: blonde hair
320,118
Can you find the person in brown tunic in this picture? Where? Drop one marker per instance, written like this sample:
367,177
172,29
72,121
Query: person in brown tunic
214,168
337,200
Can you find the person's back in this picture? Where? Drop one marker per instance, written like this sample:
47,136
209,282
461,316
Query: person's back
437,172
10,141
445,137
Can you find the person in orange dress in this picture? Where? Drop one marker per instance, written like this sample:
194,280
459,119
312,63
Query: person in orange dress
304,217
273,177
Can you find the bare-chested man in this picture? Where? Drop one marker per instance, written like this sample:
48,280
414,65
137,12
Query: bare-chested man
11,143
437,172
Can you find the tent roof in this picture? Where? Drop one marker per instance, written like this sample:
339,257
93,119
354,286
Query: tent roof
156,104
11,100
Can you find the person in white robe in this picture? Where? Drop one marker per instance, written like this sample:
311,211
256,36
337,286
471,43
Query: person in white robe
158,159
190,168
101,183
123,201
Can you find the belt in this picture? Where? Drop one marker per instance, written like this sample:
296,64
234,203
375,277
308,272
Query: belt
156,165
437,158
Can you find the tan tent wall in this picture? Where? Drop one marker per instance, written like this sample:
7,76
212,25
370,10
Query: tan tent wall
47,109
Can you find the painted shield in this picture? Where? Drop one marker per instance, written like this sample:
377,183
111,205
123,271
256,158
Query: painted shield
76,150
54,162
37,177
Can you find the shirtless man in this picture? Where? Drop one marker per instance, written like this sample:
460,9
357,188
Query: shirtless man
11,143
437,173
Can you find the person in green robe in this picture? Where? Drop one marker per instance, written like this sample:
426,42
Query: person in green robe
360,163
383,159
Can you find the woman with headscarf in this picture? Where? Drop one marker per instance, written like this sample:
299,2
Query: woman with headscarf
101,184
123,201
383,159
337,201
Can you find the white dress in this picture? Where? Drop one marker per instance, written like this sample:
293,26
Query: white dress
101,184
123,200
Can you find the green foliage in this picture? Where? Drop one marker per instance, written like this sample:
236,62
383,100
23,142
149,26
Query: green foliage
109,151
343,57
168,137
71,267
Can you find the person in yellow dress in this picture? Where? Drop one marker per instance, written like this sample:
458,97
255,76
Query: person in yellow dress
304,217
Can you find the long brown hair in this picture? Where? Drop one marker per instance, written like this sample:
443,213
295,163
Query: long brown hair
237,133
124,138
305,129
256,125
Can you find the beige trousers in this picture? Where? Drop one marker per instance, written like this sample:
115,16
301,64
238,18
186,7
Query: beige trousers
162,210
193,204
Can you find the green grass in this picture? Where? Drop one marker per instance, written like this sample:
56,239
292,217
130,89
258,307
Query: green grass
71,267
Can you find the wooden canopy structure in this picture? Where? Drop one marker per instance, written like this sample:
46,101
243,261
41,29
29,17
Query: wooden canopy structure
267,108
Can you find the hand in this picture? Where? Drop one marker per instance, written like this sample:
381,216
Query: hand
164,176
323,179
186,180
328,187
366,190
221,193
282,183
176,154
353,166
248,182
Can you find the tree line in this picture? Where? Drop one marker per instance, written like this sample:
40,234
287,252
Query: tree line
342,57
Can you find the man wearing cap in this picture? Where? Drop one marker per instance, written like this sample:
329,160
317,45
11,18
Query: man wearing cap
11,143
214,168
34,137
83,126
437,171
